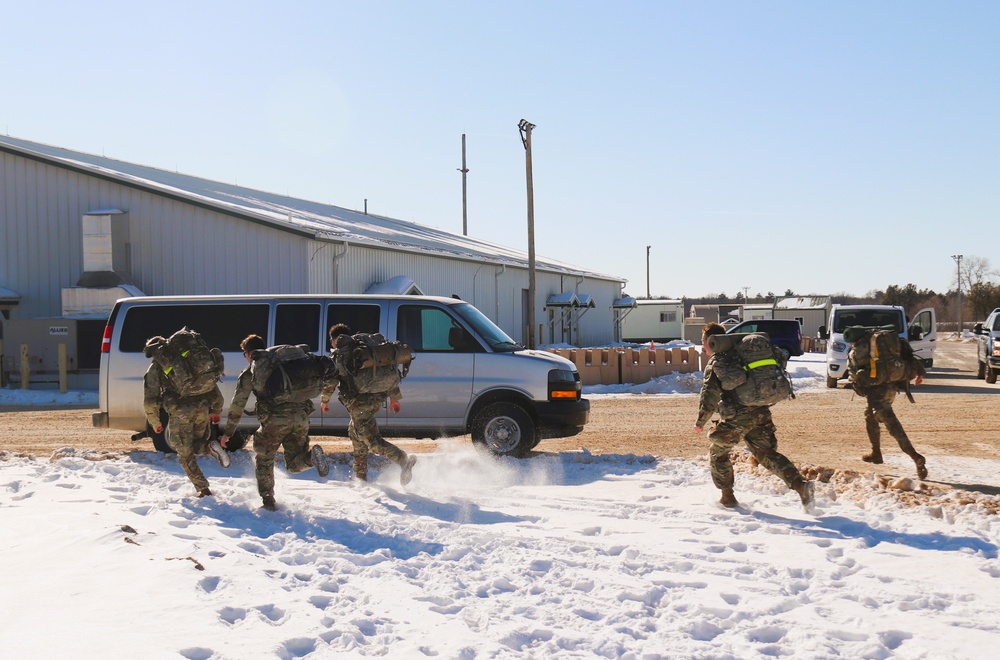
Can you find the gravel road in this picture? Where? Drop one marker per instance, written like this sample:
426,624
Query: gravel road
953,416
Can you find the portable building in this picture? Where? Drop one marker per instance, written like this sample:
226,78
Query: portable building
654,320
810,311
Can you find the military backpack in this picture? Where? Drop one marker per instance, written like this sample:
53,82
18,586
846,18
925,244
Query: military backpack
374,364
879,356
191,367
290,374
750,367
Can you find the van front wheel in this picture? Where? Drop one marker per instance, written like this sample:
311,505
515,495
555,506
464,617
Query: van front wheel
831,382
505,429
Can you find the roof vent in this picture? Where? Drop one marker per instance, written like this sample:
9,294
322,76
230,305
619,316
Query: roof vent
106,258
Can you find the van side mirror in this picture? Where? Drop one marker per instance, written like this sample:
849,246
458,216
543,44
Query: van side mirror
977,329
915,332
823,334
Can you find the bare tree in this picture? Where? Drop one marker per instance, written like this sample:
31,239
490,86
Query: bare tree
976,270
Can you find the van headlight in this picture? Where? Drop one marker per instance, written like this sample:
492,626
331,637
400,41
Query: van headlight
839,346
564,385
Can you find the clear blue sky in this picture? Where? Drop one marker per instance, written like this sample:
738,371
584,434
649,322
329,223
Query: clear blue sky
823,147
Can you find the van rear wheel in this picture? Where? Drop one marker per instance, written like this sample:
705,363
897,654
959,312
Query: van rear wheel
981,373
161,441
831,382
505,429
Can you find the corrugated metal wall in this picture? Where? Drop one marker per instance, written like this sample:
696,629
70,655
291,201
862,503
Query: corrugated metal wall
178,248
496,291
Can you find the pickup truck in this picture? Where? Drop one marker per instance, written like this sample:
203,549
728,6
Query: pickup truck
988,346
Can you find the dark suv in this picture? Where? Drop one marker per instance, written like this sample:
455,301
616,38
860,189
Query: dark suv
786,334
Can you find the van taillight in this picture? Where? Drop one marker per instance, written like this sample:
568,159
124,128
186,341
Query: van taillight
106,341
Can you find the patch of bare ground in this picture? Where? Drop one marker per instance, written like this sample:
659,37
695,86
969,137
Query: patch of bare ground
823,433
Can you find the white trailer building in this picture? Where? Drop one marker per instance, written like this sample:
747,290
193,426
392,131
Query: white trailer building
654,320
810,311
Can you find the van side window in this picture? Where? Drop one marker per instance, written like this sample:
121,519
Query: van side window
429,329
297,323
222,326
359,318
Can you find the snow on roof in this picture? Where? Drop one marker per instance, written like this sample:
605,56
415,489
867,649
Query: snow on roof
803,302
313,219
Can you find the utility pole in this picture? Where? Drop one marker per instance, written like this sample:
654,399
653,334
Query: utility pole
648,297
958,291
525,127
745,290
465,211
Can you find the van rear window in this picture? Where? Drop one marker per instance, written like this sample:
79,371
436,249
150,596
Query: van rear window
223,326
844,319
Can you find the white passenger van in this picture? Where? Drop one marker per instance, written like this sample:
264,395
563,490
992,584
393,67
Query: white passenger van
467,375
921,332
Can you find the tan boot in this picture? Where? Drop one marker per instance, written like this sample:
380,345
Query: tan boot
728,499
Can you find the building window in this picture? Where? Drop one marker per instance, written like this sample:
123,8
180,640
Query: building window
668,317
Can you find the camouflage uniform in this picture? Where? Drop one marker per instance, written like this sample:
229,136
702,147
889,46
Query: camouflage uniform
740,423
363,428
879,409
284,425
190,431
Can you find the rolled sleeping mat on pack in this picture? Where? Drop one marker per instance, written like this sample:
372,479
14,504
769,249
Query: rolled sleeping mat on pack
855,332
388,355
723,342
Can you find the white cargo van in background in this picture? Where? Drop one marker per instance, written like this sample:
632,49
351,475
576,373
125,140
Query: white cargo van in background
921,332
467,376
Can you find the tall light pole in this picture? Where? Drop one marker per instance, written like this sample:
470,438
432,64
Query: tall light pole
648,297
958,291
525,126
465,213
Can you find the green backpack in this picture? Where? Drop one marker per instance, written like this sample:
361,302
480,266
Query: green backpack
749,366
191,367
290,374
373,364
879,356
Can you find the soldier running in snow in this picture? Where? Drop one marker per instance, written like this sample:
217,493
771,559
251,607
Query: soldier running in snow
739,422
282,423
190,415
362,406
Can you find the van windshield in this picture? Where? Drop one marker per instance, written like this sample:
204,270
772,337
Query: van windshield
496,338
844,319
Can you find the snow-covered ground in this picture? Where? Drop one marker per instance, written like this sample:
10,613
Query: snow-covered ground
570,555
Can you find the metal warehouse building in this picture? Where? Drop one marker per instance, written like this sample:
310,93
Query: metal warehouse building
81,231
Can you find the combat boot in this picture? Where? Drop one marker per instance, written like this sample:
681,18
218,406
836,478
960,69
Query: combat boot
807,493
728,499
406,472
204,492
921,466
874,457
319,460
220,454
269,503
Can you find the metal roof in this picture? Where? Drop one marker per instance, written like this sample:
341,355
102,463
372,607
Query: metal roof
312,219
803,302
